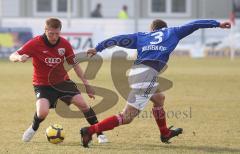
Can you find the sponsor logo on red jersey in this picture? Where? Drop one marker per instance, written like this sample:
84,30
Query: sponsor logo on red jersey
52,61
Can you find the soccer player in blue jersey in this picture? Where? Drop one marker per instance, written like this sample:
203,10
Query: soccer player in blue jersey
153,51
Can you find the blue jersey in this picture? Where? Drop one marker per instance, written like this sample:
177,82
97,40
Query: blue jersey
155,46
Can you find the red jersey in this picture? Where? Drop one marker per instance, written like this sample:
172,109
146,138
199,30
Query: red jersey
48,59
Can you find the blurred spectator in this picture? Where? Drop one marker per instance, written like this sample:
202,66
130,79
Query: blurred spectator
123,14
236,8
97,11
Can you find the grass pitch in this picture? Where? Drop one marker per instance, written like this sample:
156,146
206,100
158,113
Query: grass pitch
204,101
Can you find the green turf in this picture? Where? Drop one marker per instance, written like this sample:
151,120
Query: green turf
204,101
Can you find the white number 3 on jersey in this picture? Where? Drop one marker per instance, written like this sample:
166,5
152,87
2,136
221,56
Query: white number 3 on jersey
158,37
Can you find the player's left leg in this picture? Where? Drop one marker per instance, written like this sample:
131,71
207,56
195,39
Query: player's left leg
89,114
160,118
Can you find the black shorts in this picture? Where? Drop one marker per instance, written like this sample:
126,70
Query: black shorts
63,91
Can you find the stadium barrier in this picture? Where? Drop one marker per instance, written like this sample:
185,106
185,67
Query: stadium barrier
86,33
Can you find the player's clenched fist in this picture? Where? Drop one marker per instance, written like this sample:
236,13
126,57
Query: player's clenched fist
91,52
23,58
225,24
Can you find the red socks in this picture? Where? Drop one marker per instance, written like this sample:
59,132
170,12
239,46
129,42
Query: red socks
116,120
106,124
160,118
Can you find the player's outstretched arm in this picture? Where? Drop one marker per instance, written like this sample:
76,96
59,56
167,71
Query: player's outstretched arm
127,41
189,28
15,57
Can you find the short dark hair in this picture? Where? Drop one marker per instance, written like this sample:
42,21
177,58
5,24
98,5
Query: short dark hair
158,24
53,23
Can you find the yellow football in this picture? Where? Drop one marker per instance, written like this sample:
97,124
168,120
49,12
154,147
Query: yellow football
55,134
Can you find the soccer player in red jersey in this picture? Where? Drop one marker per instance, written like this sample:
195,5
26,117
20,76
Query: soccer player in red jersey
48,52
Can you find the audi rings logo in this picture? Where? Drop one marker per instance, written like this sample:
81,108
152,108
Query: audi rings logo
53,60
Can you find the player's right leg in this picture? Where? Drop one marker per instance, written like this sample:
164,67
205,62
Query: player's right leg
42,107
160,118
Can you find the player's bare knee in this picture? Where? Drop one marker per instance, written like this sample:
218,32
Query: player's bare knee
129,113
128,117
161,98
79,102
42,114
158,99
42,106
82,106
